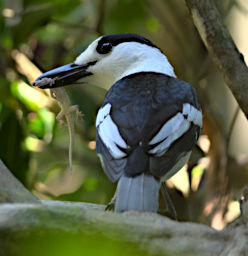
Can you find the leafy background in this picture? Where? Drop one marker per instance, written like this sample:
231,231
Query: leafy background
39,35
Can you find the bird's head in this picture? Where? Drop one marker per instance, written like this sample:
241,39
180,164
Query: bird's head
108,59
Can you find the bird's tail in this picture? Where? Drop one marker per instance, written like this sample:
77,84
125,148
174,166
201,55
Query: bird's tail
139,193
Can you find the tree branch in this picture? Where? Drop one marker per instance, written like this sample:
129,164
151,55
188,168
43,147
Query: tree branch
64,222
11,190
230,130
150,232
221,47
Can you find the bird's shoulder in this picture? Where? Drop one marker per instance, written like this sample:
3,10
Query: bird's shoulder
154,88
149,97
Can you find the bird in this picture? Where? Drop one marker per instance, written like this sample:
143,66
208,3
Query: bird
149,120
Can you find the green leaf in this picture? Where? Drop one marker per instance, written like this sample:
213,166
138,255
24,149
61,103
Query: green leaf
197,171
36,125
90,184
48,119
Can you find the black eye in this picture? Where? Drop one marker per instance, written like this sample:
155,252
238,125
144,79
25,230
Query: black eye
104,48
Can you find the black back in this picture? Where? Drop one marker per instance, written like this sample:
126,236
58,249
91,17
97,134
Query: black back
141,105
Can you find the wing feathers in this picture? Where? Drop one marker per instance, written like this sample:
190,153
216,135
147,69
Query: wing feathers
113,168
109,133
152,114
194,115
174,129
102,113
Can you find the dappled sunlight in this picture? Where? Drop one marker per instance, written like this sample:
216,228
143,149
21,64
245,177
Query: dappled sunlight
25,66
8,13
233,211
180,181
32,97
221,219
204,143
92,145
217,221
34,144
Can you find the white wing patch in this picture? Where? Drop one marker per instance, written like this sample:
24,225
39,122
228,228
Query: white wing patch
109,133
175,128
194,115
103,113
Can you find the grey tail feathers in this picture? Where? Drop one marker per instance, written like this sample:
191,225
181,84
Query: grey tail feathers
139,193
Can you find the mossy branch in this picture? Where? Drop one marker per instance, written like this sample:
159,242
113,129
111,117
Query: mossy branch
24,220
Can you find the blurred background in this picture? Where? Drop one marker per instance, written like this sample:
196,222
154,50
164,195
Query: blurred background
39,35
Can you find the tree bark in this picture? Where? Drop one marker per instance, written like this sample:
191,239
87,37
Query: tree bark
149,233
221,47
11,190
